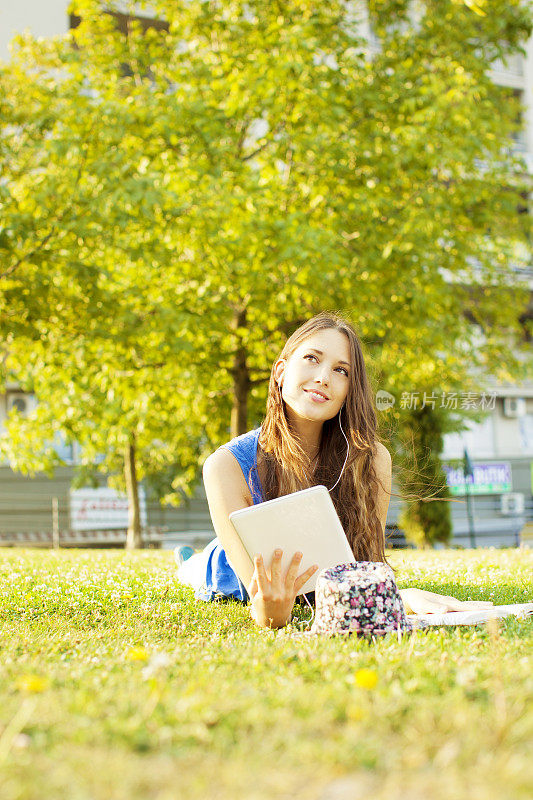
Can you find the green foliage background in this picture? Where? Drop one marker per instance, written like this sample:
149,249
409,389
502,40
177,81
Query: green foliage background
178,199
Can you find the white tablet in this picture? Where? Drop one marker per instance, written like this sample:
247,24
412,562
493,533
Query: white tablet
304,521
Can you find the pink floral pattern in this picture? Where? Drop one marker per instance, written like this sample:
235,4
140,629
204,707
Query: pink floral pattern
360,598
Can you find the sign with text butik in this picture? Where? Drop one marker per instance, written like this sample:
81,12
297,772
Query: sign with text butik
488,478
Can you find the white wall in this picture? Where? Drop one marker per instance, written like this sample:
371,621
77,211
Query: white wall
497,436
478,439
42,17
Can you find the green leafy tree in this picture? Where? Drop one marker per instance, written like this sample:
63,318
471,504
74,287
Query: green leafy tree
425,517
87,321
180,193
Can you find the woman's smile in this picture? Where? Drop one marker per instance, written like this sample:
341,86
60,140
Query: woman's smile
316,396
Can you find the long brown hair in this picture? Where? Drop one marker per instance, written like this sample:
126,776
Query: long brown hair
284,467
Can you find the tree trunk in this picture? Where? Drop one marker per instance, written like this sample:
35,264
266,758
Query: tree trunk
133,538
241,382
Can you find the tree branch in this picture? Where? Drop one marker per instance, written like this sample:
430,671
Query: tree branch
258,381
255,152
25,257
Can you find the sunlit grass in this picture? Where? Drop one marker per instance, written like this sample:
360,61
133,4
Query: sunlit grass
116,683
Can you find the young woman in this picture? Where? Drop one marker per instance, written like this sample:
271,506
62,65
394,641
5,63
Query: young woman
319,400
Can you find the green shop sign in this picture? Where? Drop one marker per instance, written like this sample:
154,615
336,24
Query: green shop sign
493,478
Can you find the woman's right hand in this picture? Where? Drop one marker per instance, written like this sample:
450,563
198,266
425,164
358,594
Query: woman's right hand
272,599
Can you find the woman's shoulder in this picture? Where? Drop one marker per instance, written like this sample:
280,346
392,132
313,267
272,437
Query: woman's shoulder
382,459
222,465
240,447
229,467
382,452
244,440
243,447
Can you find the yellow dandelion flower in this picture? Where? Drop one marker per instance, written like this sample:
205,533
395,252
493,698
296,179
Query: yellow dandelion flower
32,684
355,714
137,654
366,678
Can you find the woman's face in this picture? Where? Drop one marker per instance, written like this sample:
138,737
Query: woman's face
315,378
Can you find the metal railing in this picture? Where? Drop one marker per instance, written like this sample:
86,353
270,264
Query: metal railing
150,537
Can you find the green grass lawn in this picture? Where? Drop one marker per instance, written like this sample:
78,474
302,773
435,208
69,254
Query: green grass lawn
116,683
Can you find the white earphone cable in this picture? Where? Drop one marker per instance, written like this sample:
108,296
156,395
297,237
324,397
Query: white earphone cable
347,453
309,621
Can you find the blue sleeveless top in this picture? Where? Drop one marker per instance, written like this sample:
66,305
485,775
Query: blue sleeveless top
220,578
